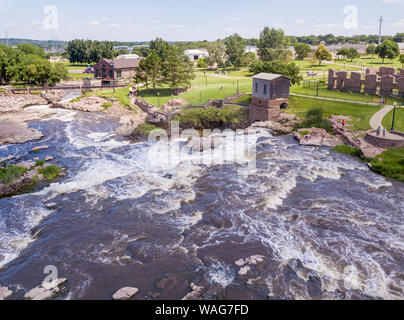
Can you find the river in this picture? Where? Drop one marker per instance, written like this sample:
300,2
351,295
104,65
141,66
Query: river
327,227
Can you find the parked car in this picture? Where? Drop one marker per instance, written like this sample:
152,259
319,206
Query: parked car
89,70
311,73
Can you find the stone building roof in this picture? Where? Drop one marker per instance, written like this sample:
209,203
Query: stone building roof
126,63
268,76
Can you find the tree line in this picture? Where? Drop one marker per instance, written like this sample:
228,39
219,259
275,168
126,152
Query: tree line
88,51
27,63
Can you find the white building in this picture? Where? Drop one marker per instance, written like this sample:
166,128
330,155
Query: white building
195,54
252,49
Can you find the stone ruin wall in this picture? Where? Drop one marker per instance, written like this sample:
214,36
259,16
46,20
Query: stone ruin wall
379,81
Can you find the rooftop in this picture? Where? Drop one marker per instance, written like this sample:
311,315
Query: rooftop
268,76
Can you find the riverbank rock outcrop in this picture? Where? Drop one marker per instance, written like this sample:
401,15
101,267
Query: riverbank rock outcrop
10,102
316,137
46,290
12,132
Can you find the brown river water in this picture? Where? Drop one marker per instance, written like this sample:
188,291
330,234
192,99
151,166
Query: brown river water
327,227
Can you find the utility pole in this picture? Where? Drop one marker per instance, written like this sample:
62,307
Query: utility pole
380,29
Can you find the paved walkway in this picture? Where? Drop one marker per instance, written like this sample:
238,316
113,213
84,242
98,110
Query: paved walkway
377,120
334,99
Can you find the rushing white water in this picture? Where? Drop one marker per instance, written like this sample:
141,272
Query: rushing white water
322,215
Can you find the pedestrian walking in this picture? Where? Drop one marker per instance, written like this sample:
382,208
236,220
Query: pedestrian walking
378,131
384,132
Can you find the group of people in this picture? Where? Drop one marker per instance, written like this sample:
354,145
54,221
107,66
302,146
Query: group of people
383,102
379,131
133,92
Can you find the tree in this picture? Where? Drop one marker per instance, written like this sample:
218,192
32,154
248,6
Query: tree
178,70
235,48
302,50
402,60
153,68
343,52
371,49
290,70
160,47
249,58
322,53
388,49
31,49
77,50
272,44
217,51
352,53
202,63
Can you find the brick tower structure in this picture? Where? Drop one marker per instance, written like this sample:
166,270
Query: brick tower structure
270,95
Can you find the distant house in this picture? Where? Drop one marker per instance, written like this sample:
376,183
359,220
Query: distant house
252,49
270,95
401,46
195,54
119,68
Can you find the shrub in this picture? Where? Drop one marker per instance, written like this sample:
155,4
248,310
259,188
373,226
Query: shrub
39,163
351,151
50,172
9,173
314,119
107,105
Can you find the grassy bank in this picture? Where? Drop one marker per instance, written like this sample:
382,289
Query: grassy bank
391,164
10,173
211,117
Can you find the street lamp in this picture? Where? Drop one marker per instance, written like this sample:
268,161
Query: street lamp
317,90
158,97
394,116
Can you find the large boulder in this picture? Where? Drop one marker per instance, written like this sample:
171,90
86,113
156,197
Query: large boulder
13,132
125,293
5,293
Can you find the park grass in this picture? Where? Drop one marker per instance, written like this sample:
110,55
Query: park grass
242,72
361,114
79,76
399,121
391,164
310,65
202,117
145,128
367,61
203,89
326,93
9,173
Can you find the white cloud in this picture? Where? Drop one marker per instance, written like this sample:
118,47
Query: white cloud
399,23
95,22
278,24
233,18
393,1
298,21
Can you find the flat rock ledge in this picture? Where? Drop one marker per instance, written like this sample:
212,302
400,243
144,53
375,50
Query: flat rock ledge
316,137
246,264
46,290
14,132
125,293
5,293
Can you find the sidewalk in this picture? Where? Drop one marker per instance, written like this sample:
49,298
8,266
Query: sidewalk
334,99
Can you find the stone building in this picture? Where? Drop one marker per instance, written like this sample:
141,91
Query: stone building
383,81
120,68
270,95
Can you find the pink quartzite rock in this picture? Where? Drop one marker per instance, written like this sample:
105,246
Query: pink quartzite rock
125,293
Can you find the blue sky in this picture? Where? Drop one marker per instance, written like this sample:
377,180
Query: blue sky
193,20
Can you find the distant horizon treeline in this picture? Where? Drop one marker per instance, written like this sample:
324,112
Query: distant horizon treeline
310,39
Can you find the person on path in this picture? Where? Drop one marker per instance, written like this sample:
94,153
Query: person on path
343,122
378,131
384,132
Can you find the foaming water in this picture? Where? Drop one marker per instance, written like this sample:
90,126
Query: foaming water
156,218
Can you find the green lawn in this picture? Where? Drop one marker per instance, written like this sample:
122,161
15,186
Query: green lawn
361,114
399,121
367,61
310,65
324,92
203,89
243,72
70,66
